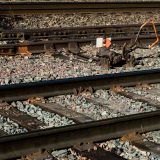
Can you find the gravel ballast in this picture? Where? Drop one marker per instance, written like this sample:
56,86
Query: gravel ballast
46,67
83,19
19,69
108,105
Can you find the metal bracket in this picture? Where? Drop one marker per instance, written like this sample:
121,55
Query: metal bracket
127,49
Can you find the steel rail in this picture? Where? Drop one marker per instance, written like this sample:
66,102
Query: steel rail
70,85
54,7
108,30
51,45
64,137
39,40
42,46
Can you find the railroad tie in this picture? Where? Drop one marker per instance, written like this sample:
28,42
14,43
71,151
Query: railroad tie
93,154
21,118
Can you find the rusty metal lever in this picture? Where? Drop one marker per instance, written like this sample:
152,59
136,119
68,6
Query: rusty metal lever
155,31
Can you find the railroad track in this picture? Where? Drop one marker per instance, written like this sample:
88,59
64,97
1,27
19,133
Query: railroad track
49,114
44,40
55,7
86,128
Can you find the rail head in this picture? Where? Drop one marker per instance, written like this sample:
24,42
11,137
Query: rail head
64,137
54,7
68,86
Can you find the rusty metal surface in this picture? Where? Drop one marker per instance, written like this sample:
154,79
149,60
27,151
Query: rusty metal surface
19,117
52,7
140,98
57,108
69,85
68,136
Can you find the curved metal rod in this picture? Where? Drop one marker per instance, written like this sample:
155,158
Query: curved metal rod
155,31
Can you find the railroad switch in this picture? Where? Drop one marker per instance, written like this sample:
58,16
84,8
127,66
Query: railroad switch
150,21
110,58
113,59
127,48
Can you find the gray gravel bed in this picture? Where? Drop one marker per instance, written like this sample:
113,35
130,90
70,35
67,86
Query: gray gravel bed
50,119
84,19
114,105
46,67
10,127
128,151
144,93
153,136
41,67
